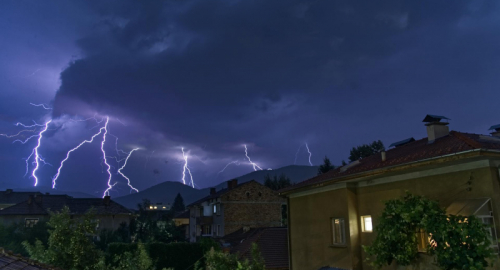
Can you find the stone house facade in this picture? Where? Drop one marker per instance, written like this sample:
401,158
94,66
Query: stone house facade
249,204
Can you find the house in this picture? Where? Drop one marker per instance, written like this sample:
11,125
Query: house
272,243
38,206
249,204
333,215
10,198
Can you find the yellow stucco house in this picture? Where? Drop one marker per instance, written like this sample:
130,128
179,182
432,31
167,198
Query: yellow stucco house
332,215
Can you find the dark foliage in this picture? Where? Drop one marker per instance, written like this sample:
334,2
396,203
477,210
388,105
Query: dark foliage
178,205
326,166
365,150
276,183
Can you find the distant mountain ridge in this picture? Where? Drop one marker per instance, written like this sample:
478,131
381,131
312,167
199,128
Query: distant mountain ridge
165,192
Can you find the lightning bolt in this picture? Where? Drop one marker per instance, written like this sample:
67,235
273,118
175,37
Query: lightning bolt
38,158
296,154
110,186
307,147
54,179
255,166
186,168
125,164
236,162
41,105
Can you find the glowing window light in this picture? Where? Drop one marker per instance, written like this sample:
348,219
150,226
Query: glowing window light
366,223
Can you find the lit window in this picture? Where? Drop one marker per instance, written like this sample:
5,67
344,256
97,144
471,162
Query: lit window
150,207
366,224
215,208
338,231
164,207
30,222
156,207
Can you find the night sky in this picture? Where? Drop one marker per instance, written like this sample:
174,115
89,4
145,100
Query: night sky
211,76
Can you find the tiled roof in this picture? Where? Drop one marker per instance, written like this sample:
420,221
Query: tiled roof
219,193
57,202
12,197
453,143
272,243
10,261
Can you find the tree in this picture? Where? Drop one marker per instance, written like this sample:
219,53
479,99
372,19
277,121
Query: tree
365,150
276,183
69,245
178,205
326,166
458,242
218,260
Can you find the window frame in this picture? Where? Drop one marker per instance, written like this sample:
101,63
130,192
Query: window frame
363,224
28,222
342,235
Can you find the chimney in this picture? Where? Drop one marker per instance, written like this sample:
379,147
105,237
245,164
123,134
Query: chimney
496,132
232,183
107,200
212,191
435,128
382,155
30,199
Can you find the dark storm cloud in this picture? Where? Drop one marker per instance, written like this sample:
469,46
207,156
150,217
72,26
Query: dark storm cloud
277,73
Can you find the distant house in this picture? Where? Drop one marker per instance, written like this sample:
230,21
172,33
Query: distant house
272,244
10,198
333,215
249,204
159,206
38,206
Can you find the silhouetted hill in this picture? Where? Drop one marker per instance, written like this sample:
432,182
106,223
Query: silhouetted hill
165,192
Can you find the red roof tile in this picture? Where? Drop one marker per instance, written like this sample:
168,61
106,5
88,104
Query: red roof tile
272,243
10,261
455,142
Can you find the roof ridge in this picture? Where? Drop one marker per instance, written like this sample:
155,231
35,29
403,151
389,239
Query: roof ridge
472,143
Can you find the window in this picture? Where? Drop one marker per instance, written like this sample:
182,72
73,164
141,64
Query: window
248,194
30,222
215,208
338,231
207,229
366,224
490,228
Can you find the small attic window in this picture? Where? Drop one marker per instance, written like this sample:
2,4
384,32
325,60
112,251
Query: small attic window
260,194
248,194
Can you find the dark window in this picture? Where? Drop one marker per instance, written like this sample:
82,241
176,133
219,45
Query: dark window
338,231
248,194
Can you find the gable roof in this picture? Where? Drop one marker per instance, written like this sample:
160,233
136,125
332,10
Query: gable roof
57,202
455,142
12,197
272,243
220,193
11,261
